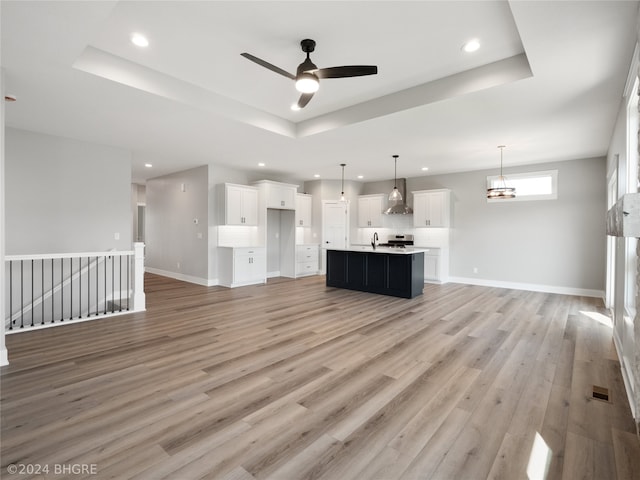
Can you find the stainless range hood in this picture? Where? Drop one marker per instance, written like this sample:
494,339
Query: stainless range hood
399,208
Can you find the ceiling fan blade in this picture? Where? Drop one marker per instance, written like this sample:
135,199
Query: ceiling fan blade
271,67
347,71
304,99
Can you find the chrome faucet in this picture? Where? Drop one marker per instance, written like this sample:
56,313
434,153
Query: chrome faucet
374,240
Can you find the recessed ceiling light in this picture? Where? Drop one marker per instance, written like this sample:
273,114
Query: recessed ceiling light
360,176
471,45
139,40
424,169
148,165
316,175
261,164
295,107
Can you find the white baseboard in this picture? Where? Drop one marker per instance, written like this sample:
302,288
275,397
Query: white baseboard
533,287
626,371
185,278
4,357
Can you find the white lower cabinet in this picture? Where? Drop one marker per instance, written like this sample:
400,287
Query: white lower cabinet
306,260
242,266
436,265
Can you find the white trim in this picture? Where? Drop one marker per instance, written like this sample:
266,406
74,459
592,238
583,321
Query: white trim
626,371
583,292
526,198
632,74
101,316
49,256
182,277
4,356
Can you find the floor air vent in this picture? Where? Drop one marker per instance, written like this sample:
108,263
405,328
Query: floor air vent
601,393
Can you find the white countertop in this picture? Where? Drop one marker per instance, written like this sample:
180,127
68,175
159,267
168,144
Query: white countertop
392,250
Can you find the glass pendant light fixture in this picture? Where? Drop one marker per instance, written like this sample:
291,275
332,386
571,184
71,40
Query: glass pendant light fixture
395,195
501,190
342,197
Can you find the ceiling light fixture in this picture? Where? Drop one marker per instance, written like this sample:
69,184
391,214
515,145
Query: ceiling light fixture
395,195
139,40
148,165
342,197
307,83
471,45
295,107
316,175
501,190
424,169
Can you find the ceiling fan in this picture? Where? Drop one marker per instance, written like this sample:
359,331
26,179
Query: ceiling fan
308,76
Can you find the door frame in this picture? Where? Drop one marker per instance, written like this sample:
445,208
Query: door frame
347,229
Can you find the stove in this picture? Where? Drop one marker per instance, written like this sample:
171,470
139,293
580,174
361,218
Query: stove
398,241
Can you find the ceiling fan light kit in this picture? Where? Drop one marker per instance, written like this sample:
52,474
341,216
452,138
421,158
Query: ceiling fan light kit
308,75
307,83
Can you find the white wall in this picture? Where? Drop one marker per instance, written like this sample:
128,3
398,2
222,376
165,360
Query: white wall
4,358
556,243
175,243
64,195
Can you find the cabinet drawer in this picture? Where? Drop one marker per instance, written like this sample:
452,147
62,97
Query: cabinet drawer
248,251
307,268
305,255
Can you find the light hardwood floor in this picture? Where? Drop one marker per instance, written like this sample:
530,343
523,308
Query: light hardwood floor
293,380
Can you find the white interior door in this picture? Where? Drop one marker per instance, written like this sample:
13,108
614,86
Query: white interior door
334,224
335,227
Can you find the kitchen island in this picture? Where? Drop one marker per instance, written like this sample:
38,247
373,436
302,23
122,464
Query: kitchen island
389,271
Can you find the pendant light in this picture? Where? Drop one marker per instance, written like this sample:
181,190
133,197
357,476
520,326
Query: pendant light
342,197
501,190
395,195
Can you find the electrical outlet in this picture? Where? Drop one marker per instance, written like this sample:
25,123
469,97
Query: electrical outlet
178,265
475,269
116,236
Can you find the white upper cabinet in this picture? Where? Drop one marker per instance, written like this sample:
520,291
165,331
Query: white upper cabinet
239,204
370,210
431,208
279,195
303,210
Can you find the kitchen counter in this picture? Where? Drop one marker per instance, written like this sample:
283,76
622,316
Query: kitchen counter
386,270
392,250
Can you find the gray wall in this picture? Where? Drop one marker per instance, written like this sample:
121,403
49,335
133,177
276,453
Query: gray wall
558,243
174,242
64,196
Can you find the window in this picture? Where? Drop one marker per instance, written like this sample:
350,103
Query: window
631,167
529,186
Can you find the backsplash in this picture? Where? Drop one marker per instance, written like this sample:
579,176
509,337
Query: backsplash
422,237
